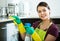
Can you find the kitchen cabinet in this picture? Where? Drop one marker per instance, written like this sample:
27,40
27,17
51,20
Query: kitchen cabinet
3,32
12,32
8,31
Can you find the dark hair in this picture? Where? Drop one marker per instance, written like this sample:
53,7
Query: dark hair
43,4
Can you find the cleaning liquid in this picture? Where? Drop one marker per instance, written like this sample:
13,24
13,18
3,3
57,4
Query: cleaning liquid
28,37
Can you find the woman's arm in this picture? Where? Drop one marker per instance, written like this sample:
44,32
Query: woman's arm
52,33
19,24
50,38
23,36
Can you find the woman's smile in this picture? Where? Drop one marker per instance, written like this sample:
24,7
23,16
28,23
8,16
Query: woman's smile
43,16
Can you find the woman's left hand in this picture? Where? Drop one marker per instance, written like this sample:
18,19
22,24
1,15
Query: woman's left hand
29,30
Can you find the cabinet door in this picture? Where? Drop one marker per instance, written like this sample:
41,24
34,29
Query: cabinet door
3,33
12,32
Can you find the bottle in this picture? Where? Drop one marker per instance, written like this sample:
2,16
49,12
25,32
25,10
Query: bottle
28,37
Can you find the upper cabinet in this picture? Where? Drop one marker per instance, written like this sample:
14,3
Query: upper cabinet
27,8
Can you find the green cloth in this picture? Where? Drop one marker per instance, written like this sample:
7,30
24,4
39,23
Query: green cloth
41,33
29,30
16,19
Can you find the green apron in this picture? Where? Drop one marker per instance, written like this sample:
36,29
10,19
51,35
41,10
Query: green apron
41,33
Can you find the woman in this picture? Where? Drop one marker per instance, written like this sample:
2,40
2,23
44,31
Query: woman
46,24
45,30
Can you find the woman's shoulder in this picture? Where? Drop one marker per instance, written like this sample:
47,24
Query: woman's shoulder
53,30
35,24
53,27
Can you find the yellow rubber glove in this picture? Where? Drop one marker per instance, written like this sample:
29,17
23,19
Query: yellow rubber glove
32,32
18,22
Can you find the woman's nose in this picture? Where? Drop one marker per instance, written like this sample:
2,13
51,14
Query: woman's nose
42,12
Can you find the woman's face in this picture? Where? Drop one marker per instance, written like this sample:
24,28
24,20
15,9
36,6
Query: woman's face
43,12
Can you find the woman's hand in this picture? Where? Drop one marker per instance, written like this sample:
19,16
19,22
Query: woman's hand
15,19
29,30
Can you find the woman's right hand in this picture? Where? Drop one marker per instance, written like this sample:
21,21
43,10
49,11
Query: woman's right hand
15,19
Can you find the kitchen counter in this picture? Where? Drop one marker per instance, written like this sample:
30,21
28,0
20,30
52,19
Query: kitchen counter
5,19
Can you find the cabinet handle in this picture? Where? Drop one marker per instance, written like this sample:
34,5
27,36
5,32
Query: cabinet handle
3,28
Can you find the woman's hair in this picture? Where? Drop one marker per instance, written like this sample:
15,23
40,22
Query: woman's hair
43,4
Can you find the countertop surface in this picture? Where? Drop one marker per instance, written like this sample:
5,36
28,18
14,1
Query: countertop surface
4,19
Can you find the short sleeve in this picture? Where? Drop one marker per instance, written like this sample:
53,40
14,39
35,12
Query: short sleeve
53,30
35,24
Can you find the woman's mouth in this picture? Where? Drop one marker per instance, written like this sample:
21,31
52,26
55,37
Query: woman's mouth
43,16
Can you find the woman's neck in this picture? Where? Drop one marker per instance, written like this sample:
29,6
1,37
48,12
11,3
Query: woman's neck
46,21
45,24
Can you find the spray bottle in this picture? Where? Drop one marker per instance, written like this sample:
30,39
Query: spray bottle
28,37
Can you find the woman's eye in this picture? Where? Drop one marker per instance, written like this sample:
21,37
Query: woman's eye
44,10
39,11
